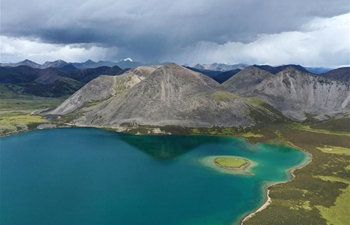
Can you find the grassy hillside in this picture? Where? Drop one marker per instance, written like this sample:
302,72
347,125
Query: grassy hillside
20,113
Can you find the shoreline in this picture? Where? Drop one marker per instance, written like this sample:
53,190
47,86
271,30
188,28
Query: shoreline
238,171
268,200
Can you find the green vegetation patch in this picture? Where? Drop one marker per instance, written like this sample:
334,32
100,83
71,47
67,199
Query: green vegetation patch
230,162
334,150
339,213
21,113
299,126
257,101
297,205
223,96
13,119
251,134
338,124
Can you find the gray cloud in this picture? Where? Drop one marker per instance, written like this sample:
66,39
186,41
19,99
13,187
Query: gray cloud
157,29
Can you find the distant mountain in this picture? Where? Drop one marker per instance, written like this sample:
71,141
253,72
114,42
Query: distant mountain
318,70
50,82
124,64
209,73
276,69
28,80
217,66
174,95
128,63
55,64
69,67
26,62
89,64
340,74
216,75
224,76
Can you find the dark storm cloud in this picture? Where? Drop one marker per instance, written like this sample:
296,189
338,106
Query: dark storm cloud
155,29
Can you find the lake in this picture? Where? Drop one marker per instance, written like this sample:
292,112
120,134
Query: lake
91,176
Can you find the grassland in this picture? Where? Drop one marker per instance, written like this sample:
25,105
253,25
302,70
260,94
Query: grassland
230,162
320,192
22,113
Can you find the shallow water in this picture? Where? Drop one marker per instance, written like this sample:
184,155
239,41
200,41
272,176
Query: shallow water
90,176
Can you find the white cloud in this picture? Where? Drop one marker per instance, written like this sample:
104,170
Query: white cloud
321,42
16,49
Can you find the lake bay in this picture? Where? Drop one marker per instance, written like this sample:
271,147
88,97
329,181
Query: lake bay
91,176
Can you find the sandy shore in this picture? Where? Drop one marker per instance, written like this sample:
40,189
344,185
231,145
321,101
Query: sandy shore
267,203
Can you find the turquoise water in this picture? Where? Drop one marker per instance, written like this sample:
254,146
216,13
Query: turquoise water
90,176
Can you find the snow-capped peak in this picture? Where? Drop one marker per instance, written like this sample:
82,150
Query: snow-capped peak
127,59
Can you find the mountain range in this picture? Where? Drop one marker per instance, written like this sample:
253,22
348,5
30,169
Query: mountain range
49,82
21,75
71,66
222,67
127,63
174,95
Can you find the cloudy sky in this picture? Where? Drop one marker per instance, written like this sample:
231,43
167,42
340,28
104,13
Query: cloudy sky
306,32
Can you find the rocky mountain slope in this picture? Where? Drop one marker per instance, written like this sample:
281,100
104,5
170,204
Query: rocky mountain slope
293,92
174,95
170,95
340,74
103,88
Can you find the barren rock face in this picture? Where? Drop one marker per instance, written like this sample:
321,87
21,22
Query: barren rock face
174,95
295,93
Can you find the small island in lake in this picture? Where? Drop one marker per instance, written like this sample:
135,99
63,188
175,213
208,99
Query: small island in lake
229,164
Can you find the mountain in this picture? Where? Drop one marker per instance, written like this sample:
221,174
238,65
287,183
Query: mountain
170,95
216,75
103,88
55,64
174,95
50,82
293,92
87,75
276,69
23,73
340,74
245,81
209,73
69,67
318,70
217,66
128,63
26,62
124,64
30,81
224,76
